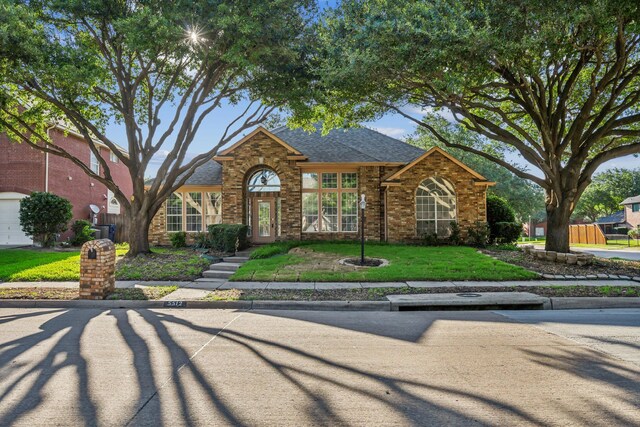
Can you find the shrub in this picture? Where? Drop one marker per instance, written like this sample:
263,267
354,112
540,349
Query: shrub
44,215
430,239
634,233
454,236
479,235
179,239
620,230
228,237
201,241
273,249
82,232
507,232
499,214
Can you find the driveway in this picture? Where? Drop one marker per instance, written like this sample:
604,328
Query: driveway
225,367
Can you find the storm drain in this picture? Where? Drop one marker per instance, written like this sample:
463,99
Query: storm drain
468,301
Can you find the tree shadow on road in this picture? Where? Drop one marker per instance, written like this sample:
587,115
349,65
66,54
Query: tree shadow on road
191,379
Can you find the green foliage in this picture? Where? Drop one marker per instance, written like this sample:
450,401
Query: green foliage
431,239
501,220
478,235
178,239
44,215
634,233
228,238
454,236
607,189
82,232
201,241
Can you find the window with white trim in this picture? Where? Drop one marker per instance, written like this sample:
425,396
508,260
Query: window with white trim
194,211
213,211
435,207
113,157
174,212
329,202
93,163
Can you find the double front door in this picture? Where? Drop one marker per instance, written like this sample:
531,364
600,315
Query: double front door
263,220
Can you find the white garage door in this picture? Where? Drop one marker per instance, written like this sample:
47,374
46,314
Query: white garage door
10,231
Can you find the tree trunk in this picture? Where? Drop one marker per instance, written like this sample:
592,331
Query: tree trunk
558,218
139,234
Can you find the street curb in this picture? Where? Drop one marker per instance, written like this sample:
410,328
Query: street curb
557,303
567,303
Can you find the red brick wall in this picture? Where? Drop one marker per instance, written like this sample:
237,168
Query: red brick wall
22,170
633,218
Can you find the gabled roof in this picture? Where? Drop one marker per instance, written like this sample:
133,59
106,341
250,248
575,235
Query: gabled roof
445,154
353,145
631,200
258,130
209,173
614,218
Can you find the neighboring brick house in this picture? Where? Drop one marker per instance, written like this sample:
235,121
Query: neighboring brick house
629,217
24,169
289,184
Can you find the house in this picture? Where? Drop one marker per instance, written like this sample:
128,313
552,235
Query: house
290,184
24,169
628,218
632,211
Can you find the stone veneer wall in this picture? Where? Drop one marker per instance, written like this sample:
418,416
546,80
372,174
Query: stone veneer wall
401,210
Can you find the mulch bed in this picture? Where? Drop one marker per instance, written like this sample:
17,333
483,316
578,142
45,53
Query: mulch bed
599,266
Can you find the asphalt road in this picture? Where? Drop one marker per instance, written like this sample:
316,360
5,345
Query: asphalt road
633,255
224,367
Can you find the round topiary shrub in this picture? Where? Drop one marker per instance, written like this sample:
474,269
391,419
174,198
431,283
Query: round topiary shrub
501,219
44,215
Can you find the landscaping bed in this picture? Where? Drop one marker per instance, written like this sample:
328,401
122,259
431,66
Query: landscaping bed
599,266
308,262
33,265
379,294
148,293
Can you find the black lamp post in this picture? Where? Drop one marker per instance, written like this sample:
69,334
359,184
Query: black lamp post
363,205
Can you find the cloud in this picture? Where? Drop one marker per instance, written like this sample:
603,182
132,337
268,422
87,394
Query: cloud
392,132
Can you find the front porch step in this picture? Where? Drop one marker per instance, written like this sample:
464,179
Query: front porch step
225,266
236,259
217,274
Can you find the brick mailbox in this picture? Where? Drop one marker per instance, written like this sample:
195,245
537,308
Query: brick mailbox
97,269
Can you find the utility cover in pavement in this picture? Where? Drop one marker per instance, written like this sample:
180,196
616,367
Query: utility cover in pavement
480,301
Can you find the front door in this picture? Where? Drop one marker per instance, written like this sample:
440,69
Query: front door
264,221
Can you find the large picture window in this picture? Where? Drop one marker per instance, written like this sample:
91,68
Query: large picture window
435,207
193,211
329,202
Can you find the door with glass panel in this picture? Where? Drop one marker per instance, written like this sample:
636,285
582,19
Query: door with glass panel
264,221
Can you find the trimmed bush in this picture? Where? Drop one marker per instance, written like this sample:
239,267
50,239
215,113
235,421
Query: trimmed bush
44,215
82,232
228,238
634,233
507,232
502,221
478,235
179,239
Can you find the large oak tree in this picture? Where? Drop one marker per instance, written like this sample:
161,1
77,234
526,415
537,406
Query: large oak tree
84,63
555,82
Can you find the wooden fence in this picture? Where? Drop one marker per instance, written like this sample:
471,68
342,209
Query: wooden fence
586,233
121,222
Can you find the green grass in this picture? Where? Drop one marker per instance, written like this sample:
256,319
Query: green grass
26,265
405,263
149,293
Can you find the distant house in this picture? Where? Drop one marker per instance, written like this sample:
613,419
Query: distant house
289,184
609,223
629,217
24,169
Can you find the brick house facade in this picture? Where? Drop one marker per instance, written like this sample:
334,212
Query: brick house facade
24,169
289,184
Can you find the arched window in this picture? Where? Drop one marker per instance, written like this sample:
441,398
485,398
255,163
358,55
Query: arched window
263,180
435,206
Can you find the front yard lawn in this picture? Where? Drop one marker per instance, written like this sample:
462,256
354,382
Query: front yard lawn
33,265
319,262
